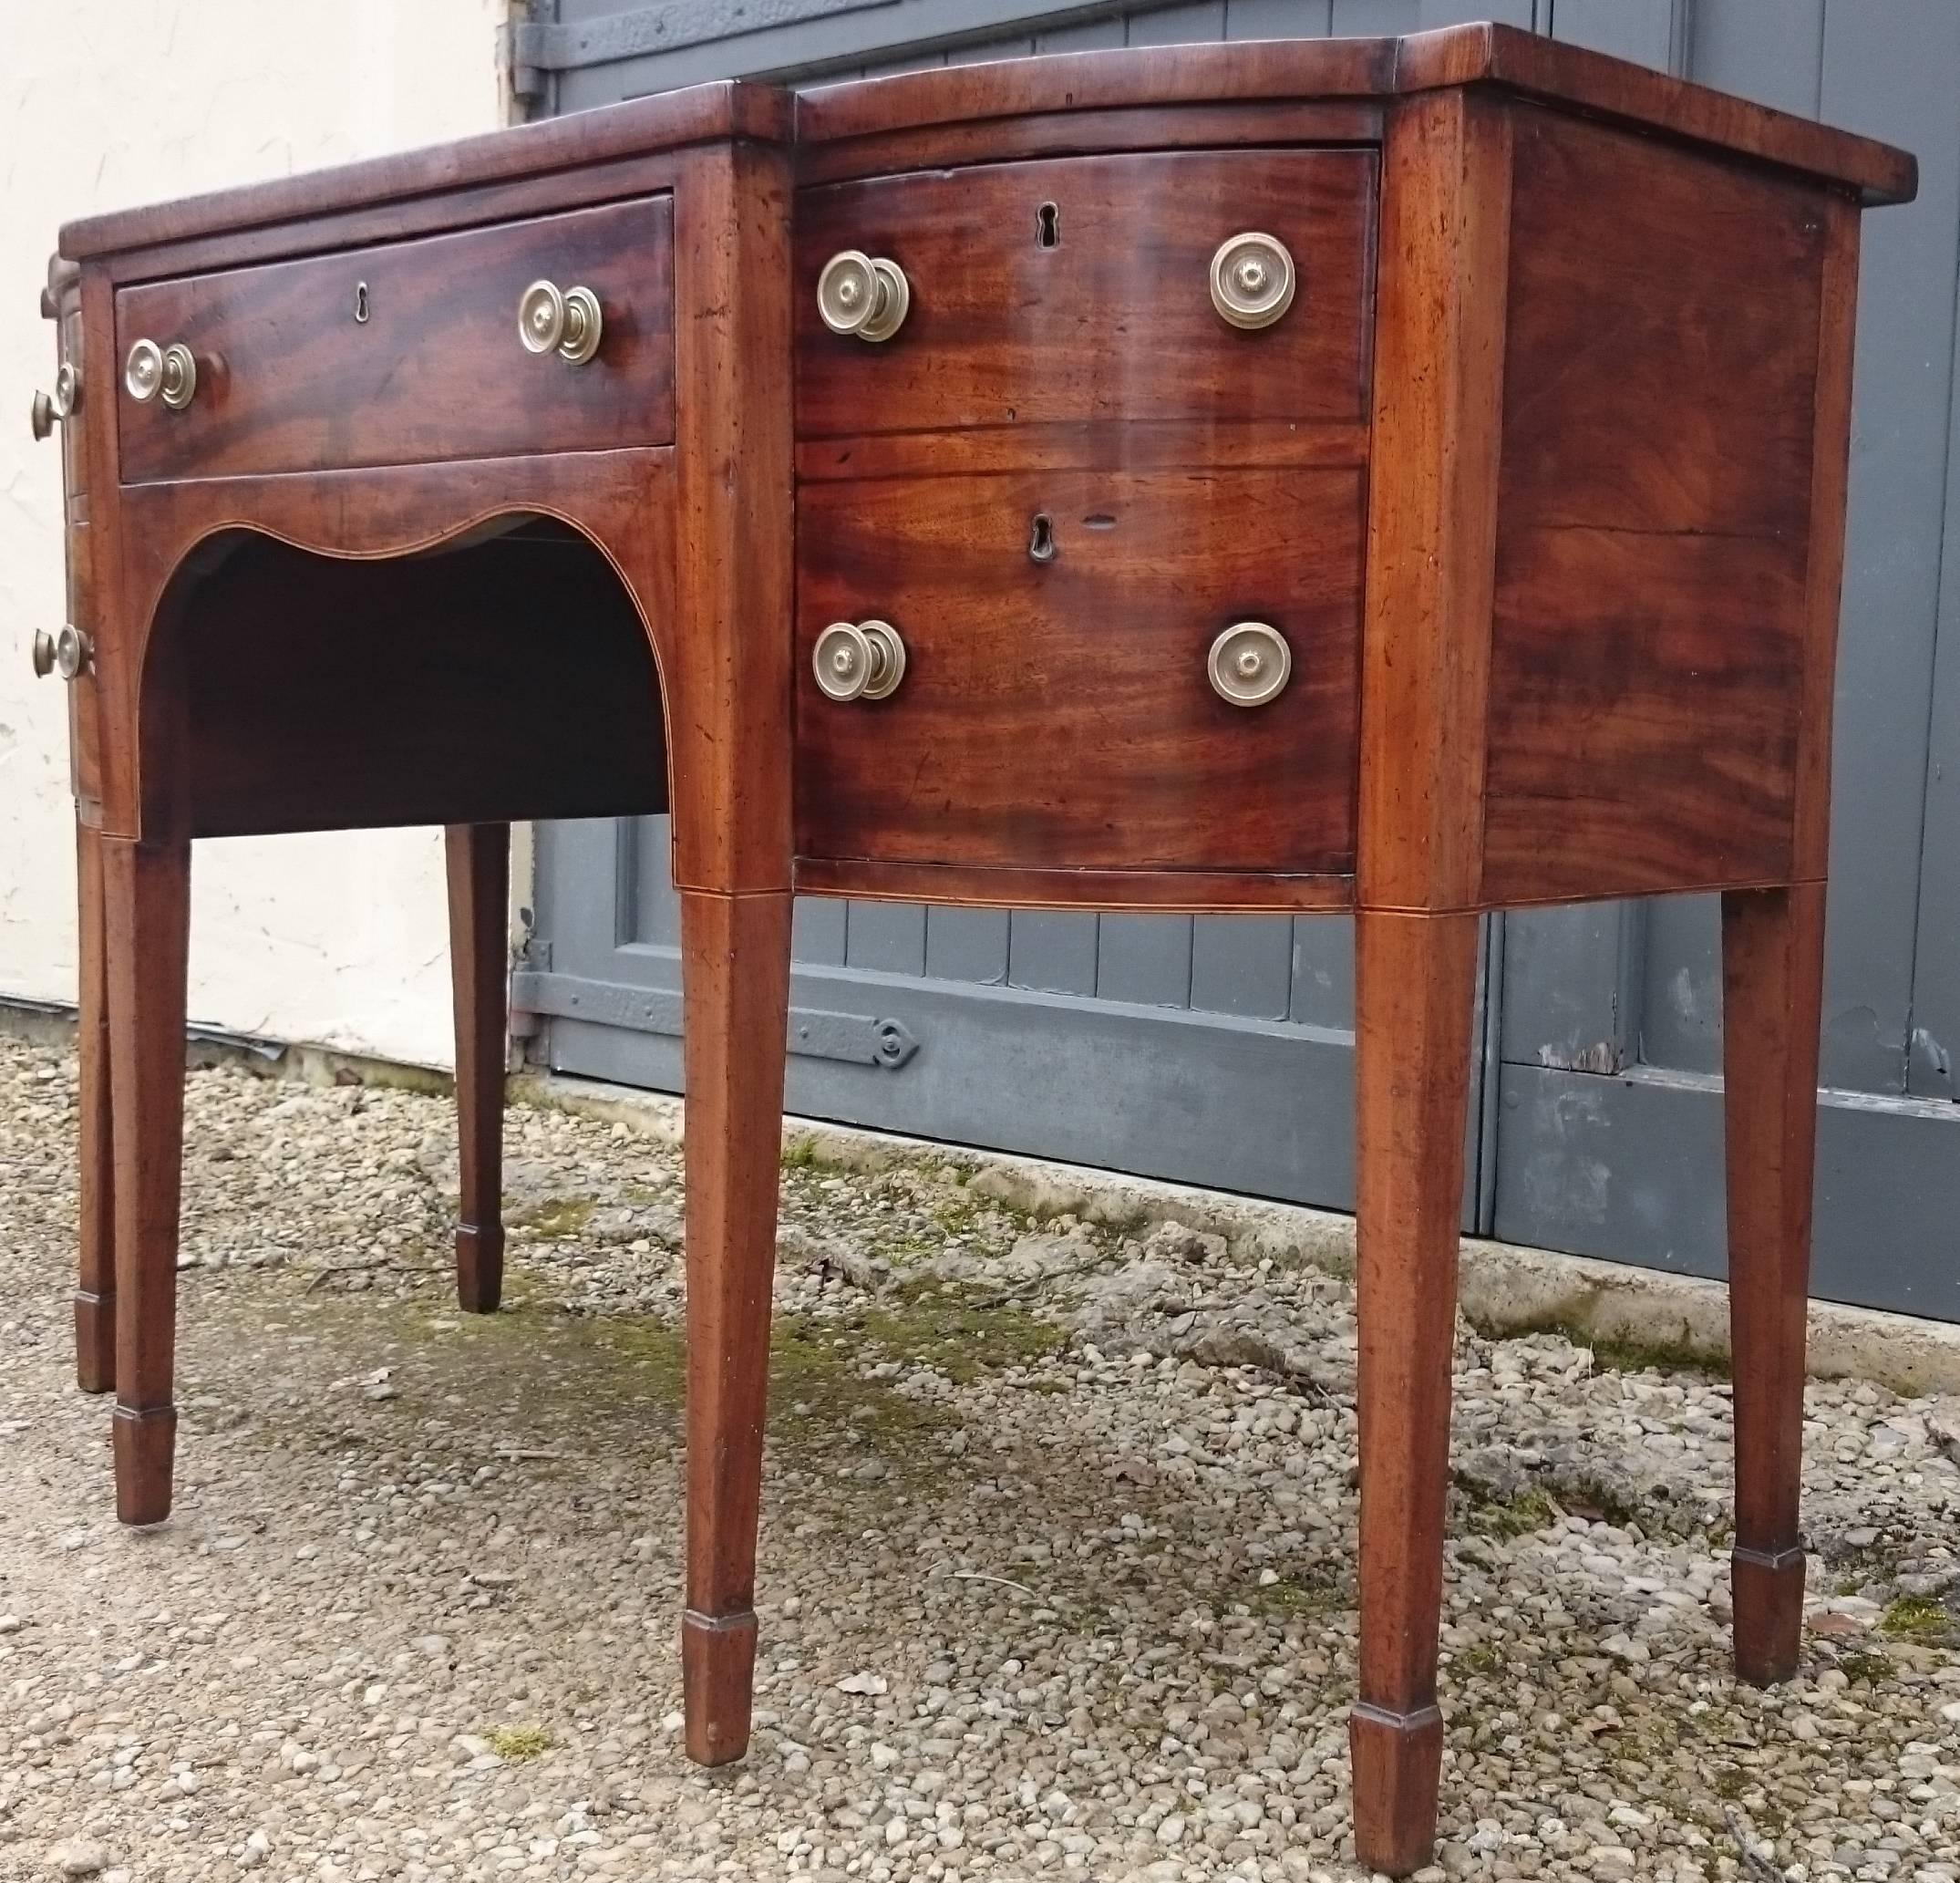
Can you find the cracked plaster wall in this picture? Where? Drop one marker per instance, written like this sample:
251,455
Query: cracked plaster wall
337,938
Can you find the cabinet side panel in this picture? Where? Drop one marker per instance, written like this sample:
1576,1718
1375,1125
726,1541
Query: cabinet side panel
1648,649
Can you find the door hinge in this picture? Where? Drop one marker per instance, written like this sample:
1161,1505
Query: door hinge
857,1038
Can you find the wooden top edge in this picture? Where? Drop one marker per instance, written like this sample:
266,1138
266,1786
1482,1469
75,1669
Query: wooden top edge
698,114
1302,69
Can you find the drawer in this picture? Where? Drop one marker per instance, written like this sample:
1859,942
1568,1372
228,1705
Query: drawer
1058,714
1080,289
290,376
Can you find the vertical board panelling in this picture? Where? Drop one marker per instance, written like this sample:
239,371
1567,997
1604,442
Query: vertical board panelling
1084,35
1052,950
1242,965
657,913
1144,958
1178,26
888,938
1649,32
1527,13
1933,1068
1681,975
966,945
1361,19
1889,70
1774,55
1323,991
1277,20
817,931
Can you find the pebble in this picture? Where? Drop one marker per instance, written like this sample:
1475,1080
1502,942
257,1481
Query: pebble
1057,1573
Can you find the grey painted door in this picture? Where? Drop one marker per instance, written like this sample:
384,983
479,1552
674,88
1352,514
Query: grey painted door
1219,1050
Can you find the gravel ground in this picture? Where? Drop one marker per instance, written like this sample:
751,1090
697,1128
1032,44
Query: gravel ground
1057,1552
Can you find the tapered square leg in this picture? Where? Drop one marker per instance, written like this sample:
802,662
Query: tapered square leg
1415,994
1772,988
735,967
94,1287
147,901
478,861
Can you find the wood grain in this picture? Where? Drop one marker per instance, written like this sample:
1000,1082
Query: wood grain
476,858
1432,515
734,521
94,1290
146,900
1003,331
288,379
1772,982
1183,892
698,114
1415,990
1059,714
1655,488
735,974
1500,58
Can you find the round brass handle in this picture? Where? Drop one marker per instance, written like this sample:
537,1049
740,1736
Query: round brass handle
1252,279
41,415
69,653
858,661
1248,663
862,295
59,404
566,321
169,373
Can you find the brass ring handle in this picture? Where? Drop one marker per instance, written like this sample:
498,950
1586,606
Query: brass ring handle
1252,279
858,661
169,373
862,295
1248,663
69,653
566,321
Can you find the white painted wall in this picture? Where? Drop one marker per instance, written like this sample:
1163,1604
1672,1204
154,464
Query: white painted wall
336,939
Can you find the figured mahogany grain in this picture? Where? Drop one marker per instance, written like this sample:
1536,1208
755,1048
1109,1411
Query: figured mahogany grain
1059,713
1432,510
1650,607
1116,317
289,381
1496,57
1183,892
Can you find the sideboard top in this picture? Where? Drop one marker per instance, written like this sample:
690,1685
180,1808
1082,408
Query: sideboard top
1299,69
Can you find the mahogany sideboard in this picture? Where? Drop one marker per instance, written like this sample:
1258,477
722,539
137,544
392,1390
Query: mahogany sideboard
1403,477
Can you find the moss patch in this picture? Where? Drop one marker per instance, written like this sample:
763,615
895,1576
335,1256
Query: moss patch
961,1338
1922,1618
517,1744
1516,1515
555,1219
1618,1354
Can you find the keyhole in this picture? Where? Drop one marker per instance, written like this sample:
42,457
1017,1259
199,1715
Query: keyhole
1041,538
360,303
1047,225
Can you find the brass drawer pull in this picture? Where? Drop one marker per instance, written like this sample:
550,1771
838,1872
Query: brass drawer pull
1252,279
1248,664
69,653
566,321
858,661
169,373
59,404
862,295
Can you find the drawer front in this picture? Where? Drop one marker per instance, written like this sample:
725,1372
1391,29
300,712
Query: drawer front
1115,319
1058,714
290,378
